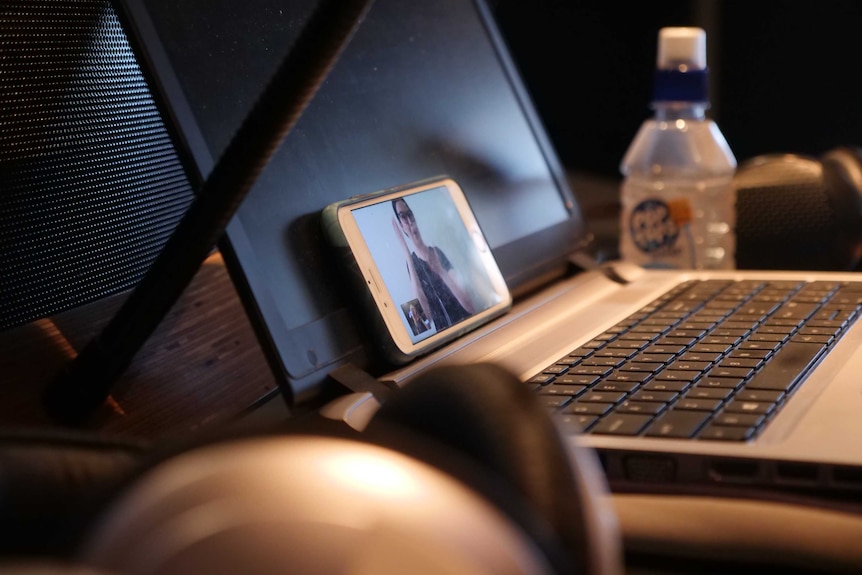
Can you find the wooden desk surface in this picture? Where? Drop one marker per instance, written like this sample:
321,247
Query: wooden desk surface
202,367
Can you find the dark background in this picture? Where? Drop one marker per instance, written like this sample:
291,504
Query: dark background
785,76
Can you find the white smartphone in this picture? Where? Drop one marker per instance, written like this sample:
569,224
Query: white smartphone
421,270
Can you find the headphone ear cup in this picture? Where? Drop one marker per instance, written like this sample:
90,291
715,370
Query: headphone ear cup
799,212
487,420
842,172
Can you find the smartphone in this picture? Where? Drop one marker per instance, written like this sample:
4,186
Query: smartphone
421,271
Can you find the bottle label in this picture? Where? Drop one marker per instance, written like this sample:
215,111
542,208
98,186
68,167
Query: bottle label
655,225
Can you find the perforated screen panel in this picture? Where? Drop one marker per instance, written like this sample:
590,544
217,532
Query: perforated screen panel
90,183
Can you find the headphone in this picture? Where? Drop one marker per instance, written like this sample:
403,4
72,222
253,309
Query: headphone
800,212
460,472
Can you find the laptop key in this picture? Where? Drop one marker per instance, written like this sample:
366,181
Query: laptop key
738,419
636,377
805,338
759,354
655,358
751,407
767,395
621,424
667,385
617,386
730,372
642,407
698,392
750,363
709,357
768,346
721,382
677,424
554,401
723,433
703,348
795,310
556,369
577,408
678,375
597,370
580,422
831,325
651,396
671,350
541,379
687,365
603,361
566,390
813,330
602,397
642,367
572,379
694,404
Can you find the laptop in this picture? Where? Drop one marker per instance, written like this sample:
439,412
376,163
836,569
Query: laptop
426,89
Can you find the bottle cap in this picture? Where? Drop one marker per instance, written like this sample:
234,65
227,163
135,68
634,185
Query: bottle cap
681,49
681,73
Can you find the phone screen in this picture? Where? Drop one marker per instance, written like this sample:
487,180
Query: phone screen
426,249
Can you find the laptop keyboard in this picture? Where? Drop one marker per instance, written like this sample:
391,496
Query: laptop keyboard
710,359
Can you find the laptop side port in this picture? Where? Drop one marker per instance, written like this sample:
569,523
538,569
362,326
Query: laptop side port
847,477
649,468
733,470
797,473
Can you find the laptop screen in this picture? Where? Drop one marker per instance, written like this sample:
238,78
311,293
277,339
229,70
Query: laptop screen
424,89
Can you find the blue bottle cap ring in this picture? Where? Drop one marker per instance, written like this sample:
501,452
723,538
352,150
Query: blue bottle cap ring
679,86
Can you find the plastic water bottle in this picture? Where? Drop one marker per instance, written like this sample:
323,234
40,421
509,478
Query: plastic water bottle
678,198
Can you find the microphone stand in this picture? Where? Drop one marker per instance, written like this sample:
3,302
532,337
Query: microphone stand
84,384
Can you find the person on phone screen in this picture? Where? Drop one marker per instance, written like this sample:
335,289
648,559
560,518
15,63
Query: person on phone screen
435,282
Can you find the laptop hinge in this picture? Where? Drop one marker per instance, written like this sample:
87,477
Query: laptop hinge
360,381
620,272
